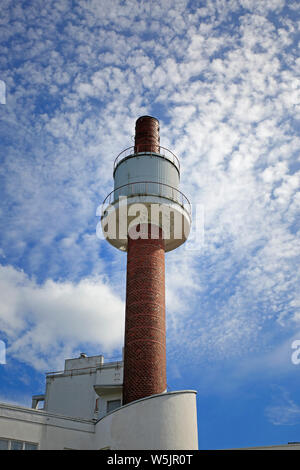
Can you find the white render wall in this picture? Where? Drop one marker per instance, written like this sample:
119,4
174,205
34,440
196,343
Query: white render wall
71,396
72,393
83,362
49,431
165,421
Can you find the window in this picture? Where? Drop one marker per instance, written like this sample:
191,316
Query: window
4,444
113,405
30,446
10,444
96,405
16,445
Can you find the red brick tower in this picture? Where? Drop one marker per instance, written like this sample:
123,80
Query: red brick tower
145,326
147,175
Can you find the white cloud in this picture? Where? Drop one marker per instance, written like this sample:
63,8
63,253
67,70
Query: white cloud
283,411
45,323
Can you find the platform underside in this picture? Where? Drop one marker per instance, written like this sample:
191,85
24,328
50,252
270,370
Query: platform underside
124,214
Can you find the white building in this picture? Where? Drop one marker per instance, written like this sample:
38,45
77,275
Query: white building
82,409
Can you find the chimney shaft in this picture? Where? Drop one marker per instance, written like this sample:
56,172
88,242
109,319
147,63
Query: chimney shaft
145,329
147,135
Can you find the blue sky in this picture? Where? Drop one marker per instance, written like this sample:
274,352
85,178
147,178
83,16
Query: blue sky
223,79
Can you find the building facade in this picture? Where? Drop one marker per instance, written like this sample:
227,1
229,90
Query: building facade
82,410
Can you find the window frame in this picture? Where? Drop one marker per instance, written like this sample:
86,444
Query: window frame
11,440
117,407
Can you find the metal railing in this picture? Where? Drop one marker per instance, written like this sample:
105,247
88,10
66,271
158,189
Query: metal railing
147,188
85,370
155,150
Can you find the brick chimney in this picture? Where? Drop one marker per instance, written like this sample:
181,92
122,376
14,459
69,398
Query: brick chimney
145,326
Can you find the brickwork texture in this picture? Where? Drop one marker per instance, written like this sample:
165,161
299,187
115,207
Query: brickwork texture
145,329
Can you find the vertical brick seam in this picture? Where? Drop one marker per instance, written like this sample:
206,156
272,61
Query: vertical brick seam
145,328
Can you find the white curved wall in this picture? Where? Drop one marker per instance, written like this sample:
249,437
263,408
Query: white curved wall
166,421
146,168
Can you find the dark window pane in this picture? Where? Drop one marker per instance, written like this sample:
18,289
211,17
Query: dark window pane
3,444
16,445
30,446
113,405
